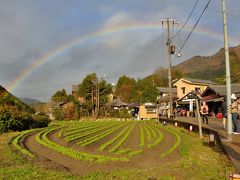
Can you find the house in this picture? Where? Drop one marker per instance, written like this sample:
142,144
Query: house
214,95
75,89
147,111
186,85
116,103
187,104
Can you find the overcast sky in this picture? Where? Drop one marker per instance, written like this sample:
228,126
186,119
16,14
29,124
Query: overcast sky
30,29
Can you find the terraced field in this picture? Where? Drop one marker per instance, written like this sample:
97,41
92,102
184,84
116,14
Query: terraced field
88,146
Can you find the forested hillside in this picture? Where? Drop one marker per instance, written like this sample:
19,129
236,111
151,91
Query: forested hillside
203,67
16,115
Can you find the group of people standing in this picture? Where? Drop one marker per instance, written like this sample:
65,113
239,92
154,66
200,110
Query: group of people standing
235,111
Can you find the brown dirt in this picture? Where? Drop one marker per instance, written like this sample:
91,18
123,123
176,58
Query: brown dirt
54,160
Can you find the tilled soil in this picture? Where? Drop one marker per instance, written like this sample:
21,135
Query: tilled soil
148,159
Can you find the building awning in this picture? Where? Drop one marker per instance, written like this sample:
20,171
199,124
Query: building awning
215,100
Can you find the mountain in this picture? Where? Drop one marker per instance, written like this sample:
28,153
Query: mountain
203,67
29,101
212,67
10,101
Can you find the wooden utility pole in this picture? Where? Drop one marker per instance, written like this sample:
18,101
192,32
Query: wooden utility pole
228,76
171,50
199,118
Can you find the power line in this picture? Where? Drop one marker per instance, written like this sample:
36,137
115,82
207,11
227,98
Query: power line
195,5
184,43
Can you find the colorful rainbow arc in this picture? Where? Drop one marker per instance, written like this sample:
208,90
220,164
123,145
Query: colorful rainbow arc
93,36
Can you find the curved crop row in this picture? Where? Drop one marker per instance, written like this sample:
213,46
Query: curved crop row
153,131
76,130
42,139
16,143
149,137
104,146
142,139
84,134
159,136
99,136
129,152
178,140
121,141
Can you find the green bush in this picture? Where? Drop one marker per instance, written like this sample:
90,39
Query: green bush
11,119
120,113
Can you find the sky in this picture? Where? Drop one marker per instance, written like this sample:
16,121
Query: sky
109,37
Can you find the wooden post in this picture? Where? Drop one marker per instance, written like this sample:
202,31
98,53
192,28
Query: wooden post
199,118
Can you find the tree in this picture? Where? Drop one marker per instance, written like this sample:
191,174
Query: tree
124,88
95,93
144,91
60,96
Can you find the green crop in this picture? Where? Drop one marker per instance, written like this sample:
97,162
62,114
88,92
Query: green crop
42,139
178,140
16,143
121,141
104,146
100,136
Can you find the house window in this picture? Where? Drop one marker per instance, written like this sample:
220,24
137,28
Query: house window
183,90
150,110
197,89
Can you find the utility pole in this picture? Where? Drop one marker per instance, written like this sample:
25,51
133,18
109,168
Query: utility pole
171,50
228,77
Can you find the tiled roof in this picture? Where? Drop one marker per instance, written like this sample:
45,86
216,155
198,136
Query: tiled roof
201,81
222,90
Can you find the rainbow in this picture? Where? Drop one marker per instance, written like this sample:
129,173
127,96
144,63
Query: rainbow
97,35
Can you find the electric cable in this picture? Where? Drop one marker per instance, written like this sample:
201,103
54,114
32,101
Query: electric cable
195,25
195,5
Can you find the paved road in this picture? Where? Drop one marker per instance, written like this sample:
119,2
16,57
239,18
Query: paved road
232,148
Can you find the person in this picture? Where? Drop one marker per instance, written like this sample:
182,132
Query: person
204,112
235,110
224,111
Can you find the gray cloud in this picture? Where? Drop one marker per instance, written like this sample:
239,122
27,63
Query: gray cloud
30,29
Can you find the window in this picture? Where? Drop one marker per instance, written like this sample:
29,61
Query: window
197,89
183,90
151,110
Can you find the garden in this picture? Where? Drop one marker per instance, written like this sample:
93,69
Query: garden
111,149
